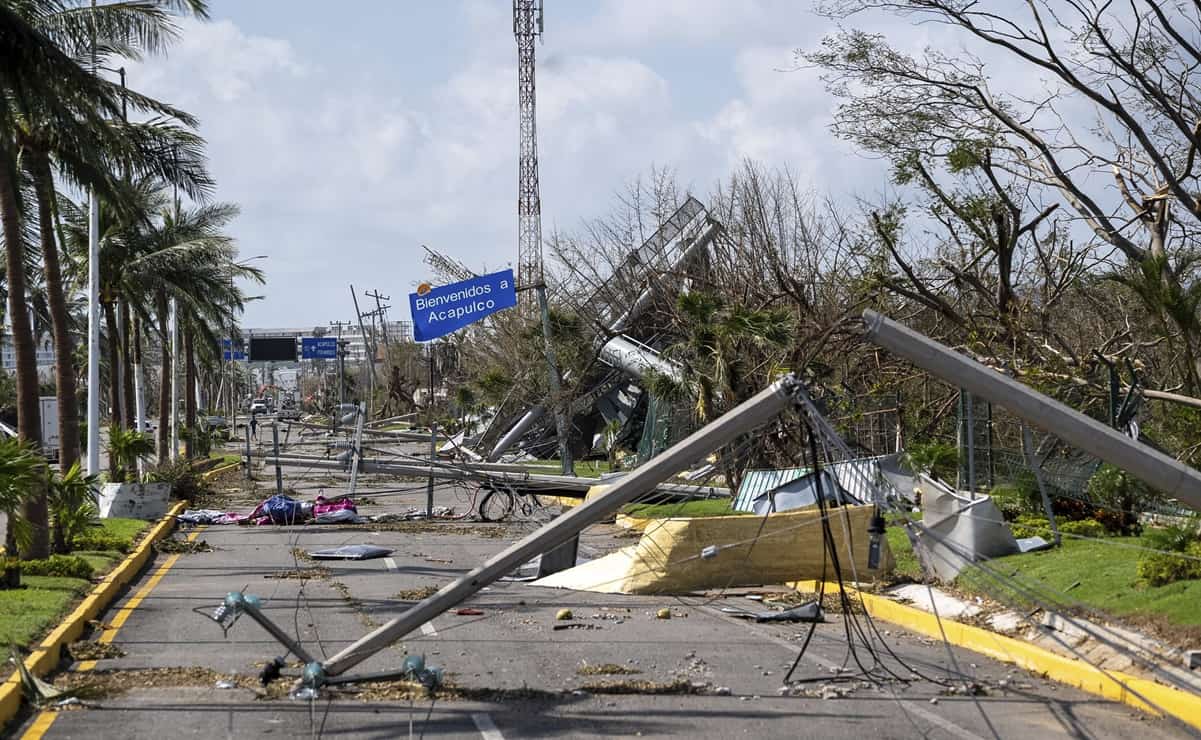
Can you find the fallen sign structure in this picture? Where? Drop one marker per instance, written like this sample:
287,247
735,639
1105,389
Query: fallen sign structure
678,555
747,416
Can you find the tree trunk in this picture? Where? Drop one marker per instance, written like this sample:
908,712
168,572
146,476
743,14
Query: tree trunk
64,346
29,426
129,413
189,389
164,390
114,376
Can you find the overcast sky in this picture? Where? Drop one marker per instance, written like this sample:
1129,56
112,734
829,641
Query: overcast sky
352,133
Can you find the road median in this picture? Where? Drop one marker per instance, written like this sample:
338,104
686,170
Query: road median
45,657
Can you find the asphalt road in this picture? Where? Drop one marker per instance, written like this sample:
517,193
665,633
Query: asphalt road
521,677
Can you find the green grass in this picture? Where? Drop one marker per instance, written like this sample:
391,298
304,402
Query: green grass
1107,575
703,507
27,613
583,468
1108,580
907,562
225,458
113,534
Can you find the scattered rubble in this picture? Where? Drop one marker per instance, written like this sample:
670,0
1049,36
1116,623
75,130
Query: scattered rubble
87,650
172,545
606,669
416,594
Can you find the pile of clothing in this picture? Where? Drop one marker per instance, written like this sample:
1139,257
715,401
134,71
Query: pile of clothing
282,510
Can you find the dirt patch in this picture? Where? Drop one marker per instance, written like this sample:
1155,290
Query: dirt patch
301,555
87,650
183,547
102,684
644,687
606,669
301,574
416,594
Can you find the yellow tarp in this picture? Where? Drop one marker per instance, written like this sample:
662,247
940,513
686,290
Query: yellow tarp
753,551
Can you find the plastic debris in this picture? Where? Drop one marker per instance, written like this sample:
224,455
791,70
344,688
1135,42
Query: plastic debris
225,685
351,552
808,612
469,612
563,614
663,614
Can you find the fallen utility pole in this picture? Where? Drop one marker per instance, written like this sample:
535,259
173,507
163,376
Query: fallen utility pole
1158,470
752,413
510,475
356,452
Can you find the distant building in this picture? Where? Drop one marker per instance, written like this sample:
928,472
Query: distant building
356,349
8,357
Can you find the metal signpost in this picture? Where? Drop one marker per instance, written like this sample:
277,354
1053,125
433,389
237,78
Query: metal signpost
446,309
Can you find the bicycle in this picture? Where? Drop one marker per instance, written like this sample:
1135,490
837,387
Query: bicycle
502,499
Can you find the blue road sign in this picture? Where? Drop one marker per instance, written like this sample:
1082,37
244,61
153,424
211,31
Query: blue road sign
318,348
445,309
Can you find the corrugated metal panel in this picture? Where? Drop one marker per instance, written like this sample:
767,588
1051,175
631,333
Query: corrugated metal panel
755,482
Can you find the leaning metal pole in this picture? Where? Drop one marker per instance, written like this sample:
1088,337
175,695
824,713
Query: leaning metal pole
1160,471
752,413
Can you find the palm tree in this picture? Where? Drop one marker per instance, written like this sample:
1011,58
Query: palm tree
185,255
51,106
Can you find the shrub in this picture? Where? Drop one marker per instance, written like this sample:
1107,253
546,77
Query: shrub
1161,568
100,540
1083,528
185,482
1008,499
1119,497
1175,537
1166,566
933,458
62,566
1030,525
71,499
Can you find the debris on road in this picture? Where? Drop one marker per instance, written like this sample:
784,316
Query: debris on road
808,612
171,545
605,669
87,650
416,594
351,552
469,612
563,614
300,574
663,614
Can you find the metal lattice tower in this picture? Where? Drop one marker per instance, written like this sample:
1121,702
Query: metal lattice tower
527,25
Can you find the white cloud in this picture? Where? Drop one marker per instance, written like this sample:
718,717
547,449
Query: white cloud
341,178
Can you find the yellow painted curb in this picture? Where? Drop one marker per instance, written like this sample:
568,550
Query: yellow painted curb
220,469
45,657
1113,685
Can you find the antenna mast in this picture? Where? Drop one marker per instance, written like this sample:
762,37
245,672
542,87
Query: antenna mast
527,24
